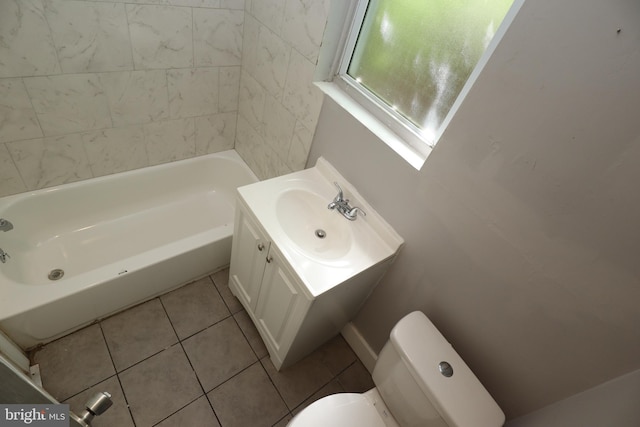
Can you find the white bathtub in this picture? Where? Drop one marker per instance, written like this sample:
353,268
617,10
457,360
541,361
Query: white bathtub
120,239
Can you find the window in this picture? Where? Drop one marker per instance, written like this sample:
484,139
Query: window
407,61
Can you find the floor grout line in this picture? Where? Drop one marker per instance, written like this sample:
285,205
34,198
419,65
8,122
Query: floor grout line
262,361
204,392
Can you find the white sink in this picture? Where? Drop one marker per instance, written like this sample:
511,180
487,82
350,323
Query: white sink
314,229
323,247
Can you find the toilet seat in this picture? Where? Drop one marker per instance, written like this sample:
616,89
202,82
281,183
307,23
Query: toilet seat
345,410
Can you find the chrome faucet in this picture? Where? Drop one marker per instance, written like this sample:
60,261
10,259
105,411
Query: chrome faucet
5,225
341,204
3,256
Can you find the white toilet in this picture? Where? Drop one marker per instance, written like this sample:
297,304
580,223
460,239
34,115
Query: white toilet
420,382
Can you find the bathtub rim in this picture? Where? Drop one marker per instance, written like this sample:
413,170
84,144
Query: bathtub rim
232,155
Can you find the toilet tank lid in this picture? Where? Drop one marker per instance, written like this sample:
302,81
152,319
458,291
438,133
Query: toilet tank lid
461,399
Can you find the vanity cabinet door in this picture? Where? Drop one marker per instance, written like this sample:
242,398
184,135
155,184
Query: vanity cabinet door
281,306
248,259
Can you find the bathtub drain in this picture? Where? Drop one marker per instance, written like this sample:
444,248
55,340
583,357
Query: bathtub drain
56,274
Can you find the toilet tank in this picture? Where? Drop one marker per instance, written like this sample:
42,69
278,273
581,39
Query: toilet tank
424,382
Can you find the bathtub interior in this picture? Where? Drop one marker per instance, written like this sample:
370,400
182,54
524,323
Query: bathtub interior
80,227
80,248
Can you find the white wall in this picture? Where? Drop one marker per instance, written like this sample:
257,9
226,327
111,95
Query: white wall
614,403
521,230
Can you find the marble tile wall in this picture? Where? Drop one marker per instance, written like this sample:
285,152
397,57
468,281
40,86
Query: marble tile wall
279,106
90,88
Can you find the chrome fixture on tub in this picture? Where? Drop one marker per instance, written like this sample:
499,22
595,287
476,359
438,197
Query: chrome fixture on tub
5,225
95,406
342,205
3,256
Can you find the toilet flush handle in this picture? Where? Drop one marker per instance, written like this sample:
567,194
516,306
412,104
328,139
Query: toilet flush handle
445,369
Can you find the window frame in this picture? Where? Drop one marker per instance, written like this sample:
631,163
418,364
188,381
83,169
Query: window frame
397,123
401,135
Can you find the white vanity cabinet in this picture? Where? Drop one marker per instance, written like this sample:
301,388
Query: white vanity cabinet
300,287
270,292
248,257
282,305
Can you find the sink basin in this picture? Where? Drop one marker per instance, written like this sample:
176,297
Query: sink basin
322,247
316,231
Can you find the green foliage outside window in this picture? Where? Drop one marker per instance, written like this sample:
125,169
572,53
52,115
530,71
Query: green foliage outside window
416,55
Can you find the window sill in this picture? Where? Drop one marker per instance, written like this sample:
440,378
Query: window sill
397,144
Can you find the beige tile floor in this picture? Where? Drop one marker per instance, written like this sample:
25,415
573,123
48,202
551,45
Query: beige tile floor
192,358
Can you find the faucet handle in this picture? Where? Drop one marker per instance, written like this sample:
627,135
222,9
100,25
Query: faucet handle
353,213
340,196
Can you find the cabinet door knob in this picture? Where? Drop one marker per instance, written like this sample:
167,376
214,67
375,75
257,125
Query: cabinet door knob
260,246
269,259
